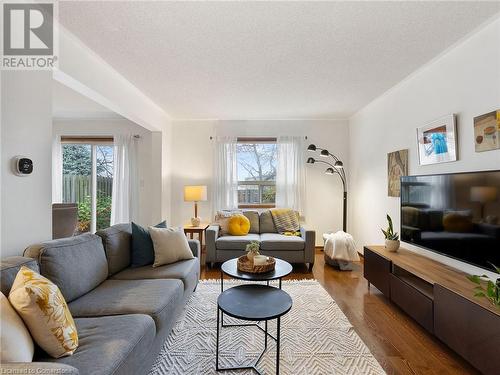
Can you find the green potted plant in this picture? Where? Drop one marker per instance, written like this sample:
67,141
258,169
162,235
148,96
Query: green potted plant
391,237
487,288
252,249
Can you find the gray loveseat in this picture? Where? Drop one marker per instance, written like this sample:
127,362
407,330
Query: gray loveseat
123,315
293,249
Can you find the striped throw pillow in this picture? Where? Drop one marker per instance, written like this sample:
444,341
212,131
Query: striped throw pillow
286,221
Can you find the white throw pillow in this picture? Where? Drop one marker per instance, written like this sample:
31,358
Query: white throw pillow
15,339
170,245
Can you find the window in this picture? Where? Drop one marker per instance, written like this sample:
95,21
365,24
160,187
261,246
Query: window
256,158
88,180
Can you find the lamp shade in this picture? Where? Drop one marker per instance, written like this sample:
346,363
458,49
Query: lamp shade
196,193
329,171
483,194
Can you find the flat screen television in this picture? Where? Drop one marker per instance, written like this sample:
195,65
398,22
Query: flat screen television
457,215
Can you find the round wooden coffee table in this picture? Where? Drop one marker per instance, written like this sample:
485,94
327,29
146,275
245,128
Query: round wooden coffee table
230,268
253,302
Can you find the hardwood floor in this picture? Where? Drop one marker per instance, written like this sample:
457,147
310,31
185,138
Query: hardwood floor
399,344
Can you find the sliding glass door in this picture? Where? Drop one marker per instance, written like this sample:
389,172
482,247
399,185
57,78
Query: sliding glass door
88,180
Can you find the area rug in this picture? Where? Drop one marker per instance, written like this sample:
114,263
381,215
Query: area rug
316,338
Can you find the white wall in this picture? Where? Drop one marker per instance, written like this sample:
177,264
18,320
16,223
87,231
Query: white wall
26,125
464,81
193,158
149,171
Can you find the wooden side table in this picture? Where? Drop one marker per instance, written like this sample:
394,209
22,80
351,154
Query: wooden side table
200,230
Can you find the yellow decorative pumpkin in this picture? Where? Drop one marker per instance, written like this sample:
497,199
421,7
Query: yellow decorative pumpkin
238,225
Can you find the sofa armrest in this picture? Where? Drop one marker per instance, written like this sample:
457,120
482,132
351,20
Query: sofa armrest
195,247
37,368
212,233
309,237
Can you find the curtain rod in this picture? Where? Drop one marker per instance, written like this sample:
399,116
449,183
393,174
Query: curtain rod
212,137
91,138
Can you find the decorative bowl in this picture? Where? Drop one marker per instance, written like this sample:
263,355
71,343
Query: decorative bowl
246,265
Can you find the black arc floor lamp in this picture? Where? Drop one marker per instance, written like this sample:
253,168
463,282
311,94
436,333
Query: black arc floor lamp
336,168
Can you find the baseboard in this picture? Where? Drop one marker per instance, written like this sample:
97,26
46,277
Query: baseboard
320,248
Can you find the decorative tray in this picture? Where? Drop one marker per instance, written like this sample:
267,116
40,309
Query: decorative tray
246,265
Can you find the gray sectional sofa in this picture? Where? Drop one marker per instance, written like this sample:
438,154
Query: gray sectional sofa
293,249
123,315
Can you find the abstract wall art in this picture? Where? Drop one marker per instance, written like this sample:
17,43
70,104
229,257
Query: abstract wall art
437,141
397,166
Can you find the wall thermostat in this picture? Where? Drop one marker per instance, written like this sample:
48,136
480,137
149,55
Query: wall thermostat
23,166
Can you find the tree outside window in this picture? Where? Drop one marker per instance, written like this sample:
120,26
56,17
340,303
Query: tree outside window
256,173
78,167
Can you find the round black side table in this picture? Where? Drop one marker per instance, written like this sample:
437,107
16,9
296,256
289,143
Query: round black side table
254,302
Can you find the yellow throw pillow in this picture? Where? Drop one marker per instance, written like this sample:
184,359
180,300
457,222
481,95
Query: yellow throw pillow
41,305
222,220
239,225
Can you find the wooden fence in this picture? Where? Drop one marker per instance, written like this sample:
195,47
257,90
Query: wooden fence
76,188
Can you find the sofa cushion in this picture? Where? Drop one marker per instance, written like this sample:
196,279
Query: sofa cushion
9,267
266,222
239,225
16,344
188,271
286,221
116,241
222,218
142,245
110,345
235,242
156,298
75,264
253,217
275,241
170,246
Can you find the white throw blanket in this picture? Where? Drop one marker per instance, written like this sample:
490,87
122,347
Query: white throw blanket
341,246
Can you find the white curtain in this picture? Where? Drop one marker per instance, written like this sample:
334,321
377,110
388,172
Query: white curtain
439,197
290,174
225,184
57,169
124,204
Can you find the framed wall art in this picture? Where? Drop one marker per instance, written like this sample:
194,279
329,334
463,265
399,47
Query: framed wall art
437,141
487,131
397,166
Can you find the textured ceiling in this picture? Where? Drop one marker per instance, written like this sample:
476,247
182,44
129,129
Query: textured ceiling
249,60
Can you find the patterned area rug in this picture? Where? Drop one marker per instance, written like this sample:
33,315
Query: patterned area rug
316,338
